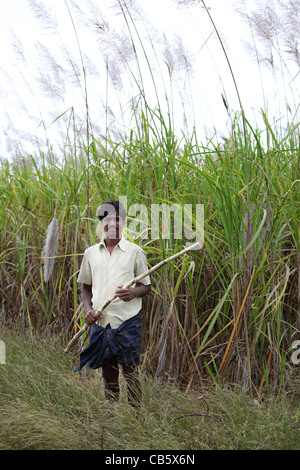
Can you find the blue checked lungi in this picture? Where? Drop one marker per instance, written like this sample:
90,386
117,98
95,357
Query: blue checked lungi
123,342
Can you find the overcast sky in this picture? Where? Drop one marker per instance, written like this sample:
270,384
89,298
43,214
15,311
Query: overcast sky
24,100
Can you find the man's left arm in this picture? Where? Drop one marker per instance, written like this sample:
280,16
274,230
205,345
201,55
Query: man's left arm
140,290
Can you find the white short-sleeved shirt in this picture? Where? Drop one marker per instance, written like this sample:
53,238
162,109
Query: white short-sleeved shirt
105,272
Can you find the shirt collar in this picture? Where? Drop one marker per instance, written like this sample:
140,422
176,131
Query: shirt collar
121,244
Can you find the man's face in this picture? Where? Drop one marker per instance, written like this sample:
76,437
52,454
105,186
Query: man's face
112,225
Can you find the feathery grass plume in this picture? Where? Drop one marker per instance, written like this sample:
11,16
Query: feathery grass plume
276,26
44,15
50,248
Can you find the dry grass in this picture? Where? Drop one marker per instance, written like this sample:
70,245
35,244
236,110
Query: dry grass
45,405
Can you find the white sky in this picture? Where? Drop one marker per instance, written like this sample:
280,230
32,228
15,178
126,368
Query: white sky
210,76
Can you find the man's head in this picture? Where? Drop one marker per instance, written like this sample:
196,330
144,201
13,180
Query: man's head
112,216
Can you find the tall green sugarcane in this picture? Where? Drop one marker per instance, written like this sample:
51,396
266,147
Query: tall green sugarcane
195,246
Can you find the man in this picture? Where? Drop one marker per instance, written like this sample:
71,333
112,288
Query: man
116,336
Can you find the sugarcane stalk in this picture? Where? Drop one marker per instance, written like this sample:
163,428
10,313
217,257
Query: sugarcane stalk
195,246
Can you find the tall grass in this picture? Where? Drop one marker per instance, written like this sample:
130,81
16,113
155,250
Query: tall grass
235,314
230,311
45,406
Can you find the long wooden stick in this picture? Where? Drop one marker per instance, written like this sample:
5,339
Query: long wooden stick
195,246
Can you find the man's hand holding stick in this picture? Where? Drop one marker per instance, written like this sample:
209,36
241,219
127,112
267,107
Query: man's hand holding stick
195,246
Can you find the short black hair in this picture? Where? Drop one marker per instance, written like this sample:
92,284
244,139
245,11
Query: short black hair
111,206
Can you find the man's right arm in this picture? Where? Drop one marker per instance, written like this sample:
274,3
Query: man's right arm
90,313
